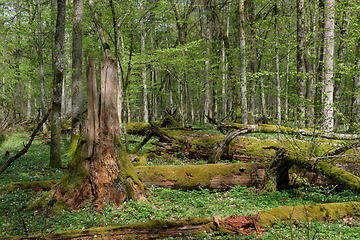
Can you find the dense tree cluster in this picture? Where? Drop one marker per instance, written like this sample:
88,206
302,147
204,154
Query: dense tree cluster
277,60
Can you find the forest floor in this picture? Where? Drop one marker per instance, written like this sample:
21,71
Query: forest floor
166,203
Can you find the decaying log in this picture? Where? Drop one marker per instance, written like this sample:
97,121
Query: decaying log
35,186
159,229
266,128
210,176
278,171
312,212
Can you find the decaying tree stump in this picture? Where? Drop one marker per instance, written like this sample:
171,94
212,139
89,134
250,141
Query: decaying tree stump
100,170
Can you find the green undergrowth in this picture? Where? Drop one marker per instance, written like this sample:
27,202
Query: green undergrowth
166,204
34,165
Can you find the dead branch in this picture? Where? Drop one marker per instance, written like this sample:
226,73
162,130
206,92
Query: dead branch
32,137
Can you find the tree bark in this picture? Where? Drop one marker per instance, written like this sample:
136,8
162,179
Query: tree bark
55,154
77,86
277,66
207,104
100,170
144,67
329,47
41,68
300,61
243,88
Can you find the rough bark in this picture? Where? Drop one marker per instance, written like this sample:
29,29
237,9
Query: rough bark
77,96
100,170
55,154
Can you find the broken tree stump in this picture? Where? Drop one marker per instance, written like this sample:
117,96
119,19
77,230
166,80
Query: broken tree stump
220,148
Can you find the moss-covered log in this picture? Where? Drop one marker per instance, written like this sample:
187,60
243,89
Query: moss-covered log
313,212
266,128
278,171
36,186
159,229
211,176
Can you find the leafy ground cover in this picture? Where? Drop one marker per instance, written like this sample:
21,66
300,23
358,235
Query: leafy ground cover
165,203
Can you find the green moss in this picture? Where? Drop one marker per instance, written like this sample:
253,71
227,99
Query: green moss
190,176
73,144
127,169
139,128
313,212
36,185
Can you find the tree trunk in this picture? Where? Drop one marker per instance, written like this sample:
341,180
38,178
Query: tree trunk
55,154
300,62
356,104
329,47
144,68
77,96
41,69
243,89
278,83
207,105
100,170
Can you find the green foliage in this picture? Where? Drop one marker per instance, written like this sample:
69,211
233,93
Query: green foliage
164,203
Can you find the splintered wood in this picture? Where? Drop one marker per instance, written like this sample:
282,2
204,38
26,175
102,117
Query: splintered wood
245,225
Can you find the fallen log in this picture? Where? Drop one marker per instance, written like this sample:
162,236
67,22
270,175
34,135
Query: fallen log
278,174
266,128
210,176
233,225
36,186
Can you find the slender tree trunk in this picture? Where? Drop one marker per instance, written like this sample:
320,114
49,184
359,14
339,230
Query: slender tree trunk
207,106
356,104
286,110
41,69
300,62
28,112
329,47
253,59
55,155
310,98
244,112
77,86
144,69
278,83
